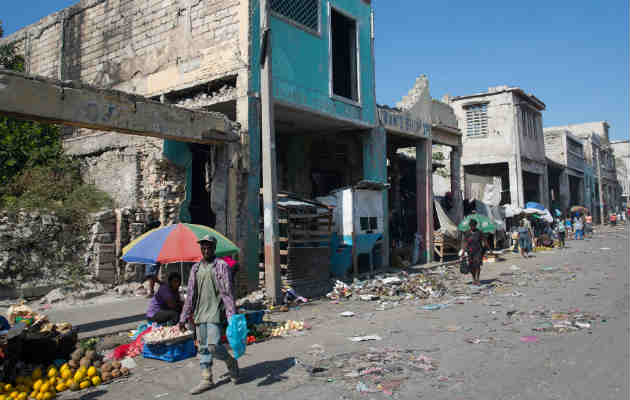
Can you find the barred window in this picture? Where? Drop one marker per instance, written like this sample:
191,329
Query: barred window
477,120
301,12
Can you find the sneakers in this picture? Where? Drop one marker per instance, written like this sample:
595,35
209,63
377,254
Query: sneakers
205,384
232,365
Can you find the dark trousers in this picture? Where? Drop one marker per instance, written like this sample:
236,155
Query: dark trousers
169,317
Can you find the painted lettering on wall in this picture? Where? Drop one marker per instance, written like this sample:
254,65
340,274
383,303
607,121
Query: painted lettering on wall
404,122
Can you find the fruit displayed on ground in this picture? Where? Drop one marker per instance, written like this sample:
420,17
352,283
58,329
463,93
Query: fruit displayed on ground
85,369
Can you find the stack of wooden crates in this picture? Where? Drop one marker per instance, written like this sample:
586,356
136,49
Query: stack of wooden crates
305,235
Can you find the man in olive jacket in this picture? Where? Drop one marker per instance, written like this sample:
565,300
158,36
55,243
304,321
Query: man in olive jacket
209,287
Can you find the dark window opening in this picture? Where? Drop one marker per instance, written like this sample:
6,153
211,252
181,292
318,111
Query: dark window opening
301,12
373,223
363,221
343,31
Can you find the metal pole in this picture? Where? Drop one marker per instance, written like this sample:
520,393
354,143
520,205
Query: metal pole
270,178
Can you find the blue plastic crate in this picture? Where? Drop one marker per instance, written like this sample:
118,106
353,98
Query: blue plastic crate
254,317
170,352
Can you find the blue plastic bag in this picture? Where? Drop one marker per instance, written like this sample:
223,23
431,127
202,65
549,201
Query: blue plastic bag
237,334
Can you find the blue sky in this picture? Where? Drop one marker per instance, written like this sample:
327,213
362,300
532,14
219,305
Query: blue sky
573,55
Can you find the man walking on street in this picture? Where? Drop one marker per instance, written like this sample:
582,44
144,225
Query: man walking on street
209,288
562,231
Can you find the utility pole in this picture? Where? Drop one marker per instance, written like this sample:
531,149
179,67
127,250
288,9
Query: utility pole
270,178
599,185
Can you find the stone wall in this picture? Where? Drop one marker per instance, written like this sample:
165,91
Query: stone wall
37,251
40,251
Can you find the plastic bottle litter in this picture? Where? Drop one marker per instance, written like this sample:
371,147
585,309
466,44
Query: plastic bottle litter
347,314
365,338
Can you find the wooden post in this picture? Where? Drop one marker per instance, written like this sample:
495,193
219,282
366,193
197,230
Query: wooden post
270,178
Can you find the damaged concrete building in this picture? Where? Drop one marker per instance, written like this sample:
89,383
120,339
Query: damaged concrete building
565,165
600,171
414,128
206,54
621,149
503,141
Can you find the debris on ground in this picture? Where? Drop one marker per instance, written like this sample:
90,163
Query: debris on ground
398,287
288,328
376,370
365,338
347,314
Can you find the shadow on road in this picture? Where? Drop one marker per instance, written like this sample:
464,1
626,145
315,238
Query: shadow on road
108,323
269,371
92,395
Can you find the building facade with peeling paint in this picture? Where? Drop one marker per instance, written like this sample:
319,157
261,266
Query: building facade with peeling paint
565,166
600,166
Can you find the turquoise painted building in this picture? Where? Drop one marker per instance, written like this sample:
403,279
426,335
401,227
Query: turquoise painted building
327,134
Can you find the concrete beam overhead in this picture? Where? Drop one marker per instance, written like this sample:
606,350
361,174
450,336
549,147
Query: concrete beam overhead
76,104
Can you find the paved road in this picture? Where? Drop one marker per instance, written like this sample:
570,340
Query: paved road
475,347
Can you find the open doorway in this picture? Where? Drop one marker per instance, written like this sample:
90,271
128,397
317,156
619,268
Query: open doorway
200,197
343,39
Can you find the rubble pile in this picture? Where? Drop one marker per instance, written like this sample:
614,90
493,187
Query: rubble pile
392,288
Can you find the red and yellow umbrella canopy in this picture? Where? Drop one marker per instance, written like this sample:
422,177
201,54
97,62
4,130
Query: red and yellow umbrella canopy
174,243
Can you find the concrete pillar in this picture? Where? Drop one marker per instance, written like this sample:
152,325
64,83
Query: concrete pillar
456,184
395,179
424,193
580,199
544,187
375,169
517,197
564,191
250,218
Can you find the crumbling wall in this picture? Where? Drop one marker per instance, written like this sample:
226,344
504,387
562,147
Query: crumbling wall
40,251
133,171
146,47
36,250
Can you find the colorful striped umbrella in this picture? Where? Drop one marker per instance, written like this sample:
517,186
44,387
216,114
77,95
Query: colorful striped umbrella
174,243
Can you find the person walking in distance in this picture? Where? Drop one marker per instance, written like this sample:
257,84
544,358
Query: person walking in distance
562,232
209,291
579,228
588,225
473,245
524,238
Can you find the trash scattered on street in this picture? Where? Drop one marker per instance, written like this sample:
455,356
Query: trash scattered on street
288,327
529,339
347,314
432,307
365,338
391,288
374,370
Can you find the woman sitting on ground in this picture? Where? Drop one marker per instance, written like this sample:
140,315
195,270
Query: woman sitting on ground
166,305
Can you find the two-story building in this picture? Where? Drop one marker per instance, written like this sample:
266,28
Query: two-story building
621,150
206,55
600,162
565,165
503,138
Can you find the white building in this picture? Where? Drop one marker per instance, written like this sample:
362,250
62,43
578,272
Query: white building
503,138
